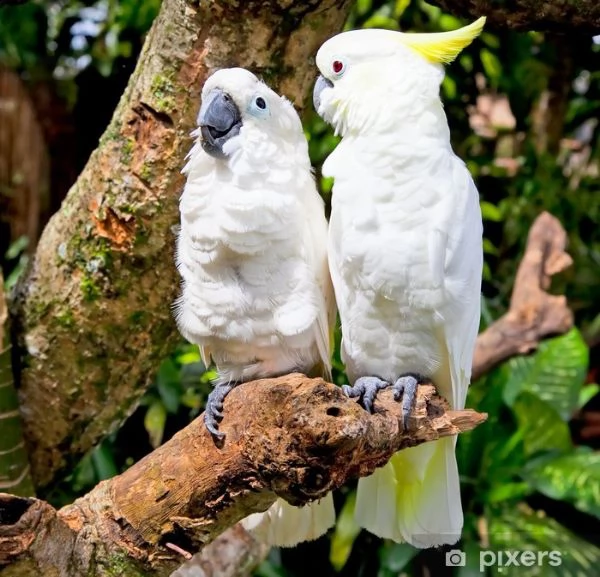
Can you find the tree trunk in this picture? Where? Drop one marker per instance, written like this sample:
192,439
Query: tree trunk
292,437
24,163
93,316
544,15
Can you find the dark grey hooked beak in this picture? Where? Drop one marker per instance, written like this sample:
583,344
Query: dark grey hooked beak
219,120
320,85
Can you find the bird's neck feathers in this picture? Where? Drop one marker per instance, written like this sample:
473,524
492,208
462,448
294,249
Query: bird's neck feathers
253,157
395,99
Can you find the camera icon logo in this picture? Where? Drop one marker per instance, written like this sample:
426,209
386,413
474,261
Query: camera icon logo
456,558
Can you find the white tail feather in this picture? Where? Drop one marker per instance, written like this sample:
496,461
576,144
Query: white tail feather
283,525
415,497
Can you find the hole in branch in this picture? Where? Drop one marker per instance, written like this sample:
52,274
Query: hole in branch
12,509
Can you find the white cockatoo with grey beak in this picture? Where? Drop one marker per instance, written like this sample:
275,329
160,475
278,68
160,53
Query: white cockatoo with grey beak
405,255
252,253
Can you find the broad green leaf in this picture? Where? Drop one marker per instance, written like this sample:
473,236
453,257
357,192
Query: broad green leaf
555,373
154,422
573,478
488,454
541,425
344,535
554,550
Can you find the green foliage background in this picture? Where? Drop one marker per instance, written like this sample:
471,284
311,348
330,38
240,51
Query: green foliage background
526,484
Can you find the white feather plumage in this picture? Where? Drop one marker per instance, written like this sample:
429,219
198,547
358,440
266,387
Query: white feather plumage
256,293
405,253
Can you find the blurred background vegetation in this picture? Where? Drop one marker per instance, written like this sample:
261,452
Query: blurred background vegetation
523,110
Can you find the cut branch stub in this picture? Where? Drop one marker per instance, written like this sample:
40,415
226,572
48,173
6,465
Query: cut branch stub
533,314
294,437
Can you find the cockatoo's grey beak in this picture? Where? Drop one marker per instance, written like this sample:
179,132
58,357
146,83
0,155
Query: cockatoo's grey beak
320,85
219,120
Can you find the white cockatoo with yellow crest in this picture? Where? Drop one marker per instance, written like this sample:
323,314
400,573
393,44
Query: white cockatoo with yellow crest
252,253
405,255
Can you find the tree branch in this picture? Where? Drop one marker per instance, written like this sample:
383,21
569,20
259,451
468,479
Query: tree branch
544,15
102,280
533,314
292,437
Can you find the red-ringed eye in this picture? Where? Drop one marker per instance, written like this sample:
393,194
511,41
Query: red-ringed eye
337,66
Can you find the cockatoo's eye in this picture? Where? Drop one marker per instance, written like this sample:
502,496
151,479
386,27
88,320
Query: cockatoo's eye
338,67
258,106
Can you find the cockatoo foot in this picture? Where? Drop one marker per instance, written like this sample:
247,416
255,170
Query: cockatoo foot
405,388
366,388
214,409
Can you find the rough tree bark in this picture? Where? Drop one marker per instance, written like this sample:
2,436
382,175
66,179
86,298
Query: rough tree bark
545,15
104,263
293,437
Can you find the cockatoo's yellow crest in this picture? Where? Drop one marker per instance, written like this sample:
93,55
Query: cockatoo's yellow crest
442,47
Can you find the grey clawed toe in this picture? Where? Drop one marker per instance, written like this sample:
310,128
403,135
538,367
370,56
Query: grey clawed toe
405,390
213,413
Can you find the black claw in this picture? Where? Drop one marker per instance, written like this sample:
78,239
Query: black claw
214,409
405,388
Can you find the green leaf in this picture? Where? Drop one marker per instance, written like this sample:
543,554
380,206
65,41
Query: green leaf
490,211
17,247
491,64
489,248
154,422
189,355
573,478
587,393
104,462
396,556
363,7
168,382
449,88
344,535
268,569
555,373
541,425
400,7
503,492
556,551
